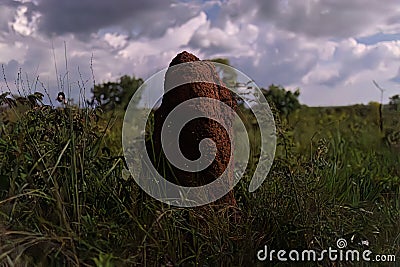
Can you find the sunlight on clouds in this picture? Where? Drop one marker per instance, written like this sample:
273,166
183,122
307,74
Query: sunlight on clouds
238,38
173,39
22,24
393,47
116,40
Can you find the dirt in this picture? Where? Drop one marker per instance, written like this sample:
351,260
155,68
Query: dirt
198,129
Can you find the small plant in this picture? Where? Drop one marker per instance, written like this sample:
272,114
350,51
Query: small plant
104,260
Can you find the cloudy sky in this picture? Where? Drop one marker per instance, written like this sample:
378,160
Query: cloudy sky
330,49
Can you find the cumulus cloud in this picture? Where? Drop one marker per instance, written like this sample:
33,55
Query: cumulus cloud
25,25
330,49
347,77
223,41
174,39
281,58
116,40
86,17
320,18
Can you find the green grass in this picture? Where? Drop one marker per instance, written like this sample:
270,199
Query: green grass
66,198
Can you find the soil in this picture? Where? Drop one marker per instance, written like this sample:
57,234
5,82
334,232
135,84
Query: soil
196,130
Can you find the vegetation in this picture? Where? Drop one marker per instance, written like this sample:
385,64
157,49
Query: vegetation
68,199
394,102
115,94
284,101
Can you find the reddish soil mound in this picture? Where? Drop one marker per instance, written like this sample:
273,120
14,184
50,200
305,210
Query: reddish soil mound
200,128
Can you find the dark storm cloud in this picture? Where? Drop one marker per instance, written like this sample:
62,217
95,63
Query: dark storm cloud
84,17
337,18
323,18
88,16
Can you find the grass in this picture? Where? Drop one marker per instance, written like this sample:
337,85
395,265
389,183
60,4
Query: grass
66,197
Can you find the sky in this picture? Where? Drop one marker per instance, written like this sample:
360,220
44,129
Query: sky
331,49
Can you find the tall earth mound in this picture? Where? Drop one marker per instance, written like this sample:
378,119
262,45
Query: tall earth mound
198,129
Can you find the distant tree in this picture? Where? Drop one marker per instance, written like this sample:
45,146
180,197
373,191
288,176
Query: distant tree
394,102
228,76
285,101
116,94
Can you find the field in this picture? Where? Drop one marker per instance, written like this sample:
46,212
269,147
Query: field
66,197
